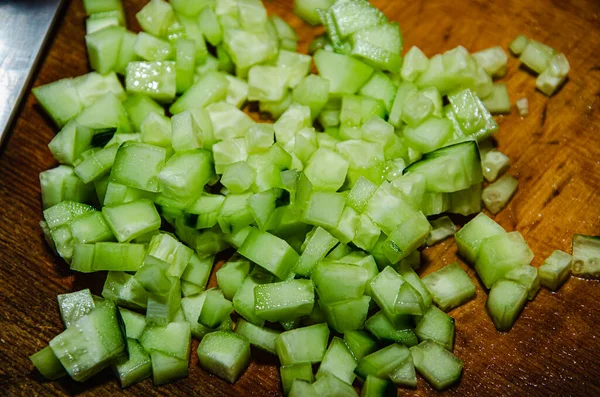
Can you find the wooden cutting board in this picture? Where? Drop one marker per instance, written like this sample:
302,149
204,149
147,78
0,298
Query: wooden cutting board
554,348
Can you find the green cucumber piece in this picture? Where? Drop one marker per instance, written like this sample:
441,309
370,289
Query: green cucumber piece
92,343
270,252
125,290
496,195
359,343
134,368
215,309
377,387
338,361
103,48
437,365
382,362
156,17
161,309
231,276
224,354
528,277
75,305
586,256
436,326
450,286
134,322
156,79
555,270
130,220
46,362
353,76
471,235
518,44
210,88
307,344
380,327
336,282
166,368
504,303
499,254
404,374
289,373
262,338
329,385
284,301
347,315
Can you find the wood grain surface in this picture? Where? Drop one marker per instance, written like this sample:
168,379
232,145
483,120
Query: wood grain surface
554,348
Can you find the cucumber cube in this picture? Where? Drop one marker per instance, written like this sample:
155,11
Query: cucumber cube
47,364
103,48
156,17
436,326
496,195
138,107
198,270
586,256
450,286
243,300
134,322
359,343
347,315
324,209
211,87
136,367
125,290
338,361
169,347
224,354
215,310
380,327
91,344
307,344
166,368
289,373
346,74
437,365
269,252
555,270
404,374
185,174
384,290
329,385
504,303
377,387
337,282
407,237
75,305
284,301
162,308
231,276
471,235
528,277
151,48
137,165
155,79
382,362
499,254
133,219
263,338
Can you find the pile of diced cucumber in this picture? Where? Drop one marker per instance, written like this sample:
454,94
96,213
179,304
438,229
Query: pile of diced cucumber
326,208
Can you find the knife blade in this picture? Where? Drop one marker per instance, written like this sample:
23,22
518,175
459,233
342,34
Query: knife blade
25,26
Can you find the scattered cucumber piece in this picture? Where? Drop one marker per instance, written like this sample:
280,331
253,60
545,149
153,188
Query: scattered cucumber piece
504,303
555,270
586,256
224,354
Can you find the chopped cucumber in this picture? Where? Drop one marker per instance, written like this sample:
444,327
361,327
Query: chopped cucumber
555,270
450,286
224,354
437,365
586,256
504,303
